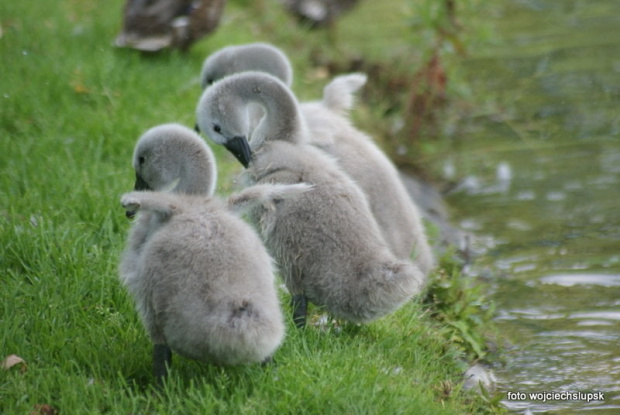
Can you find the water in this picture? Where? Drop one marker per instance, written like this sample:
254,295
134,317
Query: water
542,192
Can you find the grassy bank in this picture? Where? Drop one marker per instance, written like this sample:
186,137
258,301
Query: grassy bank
71,108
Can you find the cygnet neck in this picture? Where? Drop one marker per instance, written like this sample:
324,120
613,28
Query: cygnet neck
197,177
282,120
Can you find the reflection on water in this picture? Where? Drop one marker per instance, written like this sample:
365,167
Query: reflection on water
543,183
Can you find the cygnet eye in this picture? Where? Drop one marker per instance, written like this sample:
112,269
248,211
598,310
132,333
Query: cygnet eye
217,128
141,160
210,81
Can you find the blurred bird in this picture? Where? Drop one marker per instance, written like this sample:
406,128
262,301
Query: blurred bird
318,13
153,25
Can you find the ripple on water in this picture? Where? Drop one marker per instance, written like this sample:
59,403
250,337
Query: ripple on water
552,204
569,280
597,315
598,335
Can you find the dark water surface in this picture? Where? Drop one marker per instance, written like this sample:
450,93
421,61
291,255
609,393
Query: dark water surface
543,192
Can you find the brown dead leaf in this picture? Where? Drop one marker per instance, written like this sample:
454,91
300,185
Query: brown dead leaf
77,82
44,410
11,361
81,89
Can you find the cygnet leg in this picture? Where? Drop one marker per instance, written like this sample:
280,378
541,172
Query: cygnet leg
300,308
268,360
162,359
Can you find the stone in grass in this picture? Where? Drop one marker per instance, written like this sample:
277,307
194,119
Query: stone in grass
478,377
13,360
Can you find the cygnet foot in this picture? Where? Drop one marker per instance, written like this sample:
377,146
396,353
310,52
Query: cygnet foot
162,360
299,303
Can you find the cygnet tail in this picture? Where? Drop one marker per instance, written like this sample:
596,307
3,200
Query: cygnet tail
163,204
338,95
385,290
266,195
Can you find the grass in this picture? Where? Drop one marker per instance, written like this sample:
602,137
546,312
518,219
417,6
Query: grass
71,108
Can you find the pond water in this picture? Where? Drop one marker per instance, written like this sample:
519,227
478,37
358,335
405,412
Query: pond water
542,192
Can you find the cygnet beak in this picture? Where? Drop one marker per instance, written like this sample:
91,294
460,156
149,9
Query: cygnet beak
141,184
130,214
240,148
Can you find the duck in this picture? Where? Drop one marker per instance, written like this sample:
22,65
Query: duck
154,25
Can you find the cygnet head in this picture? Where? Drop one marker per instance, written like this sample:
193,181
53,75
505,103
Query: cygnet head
251,57
222,113
171,157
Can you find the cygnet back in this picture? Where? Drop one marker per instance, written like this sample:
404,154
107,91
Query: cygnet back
202,281
250,57
397,215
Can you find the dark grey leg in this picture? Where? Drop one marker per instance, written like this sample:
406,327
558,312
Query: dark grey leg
162,359
300,309
268,360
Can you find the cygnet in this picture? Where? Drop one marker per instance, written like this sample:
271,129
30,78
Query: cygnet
201,278
326,241
153,25
330,129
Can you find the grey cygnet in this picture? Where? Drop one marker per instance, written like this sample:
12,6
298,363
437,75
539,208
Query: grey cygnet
326,241
201,278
